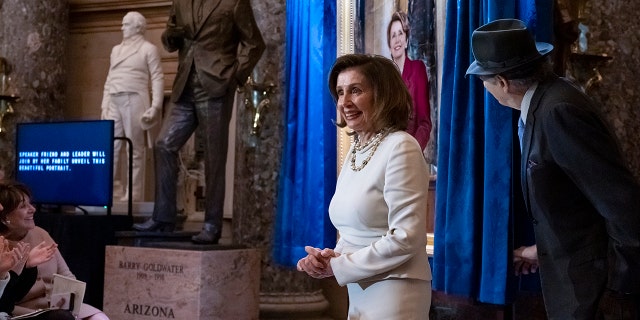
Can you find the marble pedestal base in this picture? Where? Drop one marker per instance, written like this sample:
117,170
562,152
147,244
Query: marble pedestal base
292,306
144,238
193,282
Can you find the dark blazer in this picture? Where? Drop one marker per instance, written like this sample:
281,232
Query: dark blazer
584,203
222,48
17,288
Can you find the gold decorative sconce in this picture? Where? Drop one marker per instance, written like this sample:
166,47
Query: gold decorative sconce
583,63
257,98
583,68
7,95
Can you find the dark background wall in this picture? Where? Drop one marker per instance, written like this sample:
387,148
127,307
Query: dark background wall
613,30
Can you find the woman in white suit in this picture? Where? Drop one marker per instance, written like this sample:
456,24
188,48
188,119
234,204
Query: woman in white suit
380,203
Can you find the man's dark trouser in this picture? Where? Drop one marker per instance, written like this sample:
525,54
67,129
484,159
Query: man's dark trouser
212,116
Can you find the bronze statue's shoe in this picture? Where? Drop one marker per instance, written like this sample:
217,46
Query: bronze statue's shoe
210,234
151,225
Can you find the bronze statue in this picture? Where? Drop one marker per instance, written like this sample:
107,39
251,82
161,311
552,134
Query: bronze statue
218,43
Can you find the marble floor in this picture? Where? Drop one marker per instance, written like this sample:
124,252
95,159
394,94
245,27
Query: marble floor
528,306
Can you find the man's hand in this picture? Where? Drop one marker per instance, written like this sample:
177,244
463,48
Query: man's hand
525,260
173,38
149,117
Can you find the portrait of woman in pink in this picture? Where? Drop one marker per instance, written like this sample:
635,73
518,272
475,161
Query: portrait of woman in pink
414,75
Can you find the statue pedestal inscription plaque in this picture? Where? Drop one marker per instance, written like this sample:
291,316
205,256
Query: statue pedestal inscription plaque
203,282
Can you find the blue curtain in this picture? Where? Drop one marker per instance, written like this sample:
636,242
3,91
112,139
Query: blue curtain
308,172
477,192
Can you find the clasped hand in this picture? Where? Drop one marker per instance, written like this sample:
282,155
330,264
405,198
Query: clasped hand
317,262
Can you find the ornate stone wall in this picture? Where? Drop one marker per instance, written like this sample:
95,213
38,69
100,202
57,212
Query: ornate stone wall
33,36
613,30
257,171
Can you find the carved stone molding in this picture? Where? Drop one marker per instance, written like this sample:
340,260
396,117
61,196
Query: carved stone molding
87,16
106,5
299,305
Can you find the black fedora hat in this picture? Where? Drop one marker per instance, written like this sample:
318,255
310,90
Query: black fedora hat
504,45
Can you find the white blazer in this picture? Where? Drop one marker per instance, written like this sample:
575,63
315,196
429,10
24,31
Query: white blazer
380,213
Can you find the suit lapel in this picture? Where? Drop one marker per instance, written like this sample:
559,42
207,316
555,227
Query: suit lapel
126,51
207,8
526,146
528,136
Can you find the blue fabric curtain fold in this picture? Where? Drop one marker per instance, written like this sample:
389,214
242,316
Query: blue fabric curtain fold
308,172
477,186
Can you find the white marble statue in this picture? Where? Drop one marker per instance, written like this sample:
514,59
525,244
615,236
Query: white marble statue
134,68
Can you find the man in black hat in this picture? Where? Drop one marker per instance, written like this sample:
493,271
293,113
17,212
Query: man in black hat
582,200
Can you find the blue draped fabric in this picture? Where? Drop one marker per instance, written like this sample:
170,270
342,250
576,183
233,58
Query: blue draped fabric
477,190
308,172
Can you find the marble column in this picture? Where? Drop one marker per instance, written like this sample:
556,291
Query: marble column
613,31
284,292
422,46
33,36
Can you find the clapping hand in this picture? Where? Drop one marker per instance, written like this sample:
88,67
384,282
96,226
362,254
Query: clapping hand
316,263
525,260
9,258
43,252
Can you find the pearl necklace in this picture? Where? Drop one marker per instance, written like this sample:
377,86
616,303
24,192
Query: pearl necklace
374,142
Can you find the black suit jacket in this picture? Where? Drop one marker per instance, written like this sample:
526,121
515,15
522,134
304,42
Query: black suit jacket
223,47
584,203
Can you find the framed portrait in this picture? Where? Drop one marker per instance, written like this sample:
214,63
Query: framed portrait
369,27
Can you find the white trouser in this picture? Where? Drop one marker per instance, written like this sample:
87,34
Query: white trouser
126,109
391,299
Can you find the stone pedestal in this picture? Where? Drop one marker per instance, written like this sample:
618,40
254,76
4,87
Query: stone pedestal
181,281
288,306
144,238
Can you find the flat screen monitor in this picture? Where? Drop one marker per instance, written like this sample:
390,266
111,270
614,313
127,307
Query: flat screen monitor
66,163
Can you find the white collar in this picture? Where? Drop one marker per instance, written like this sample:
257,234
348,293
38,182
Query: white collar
133,39
526,102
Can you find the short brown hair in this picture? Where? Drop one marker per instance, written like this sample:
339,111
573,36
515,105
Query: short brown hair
12,194
392,104
401,17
